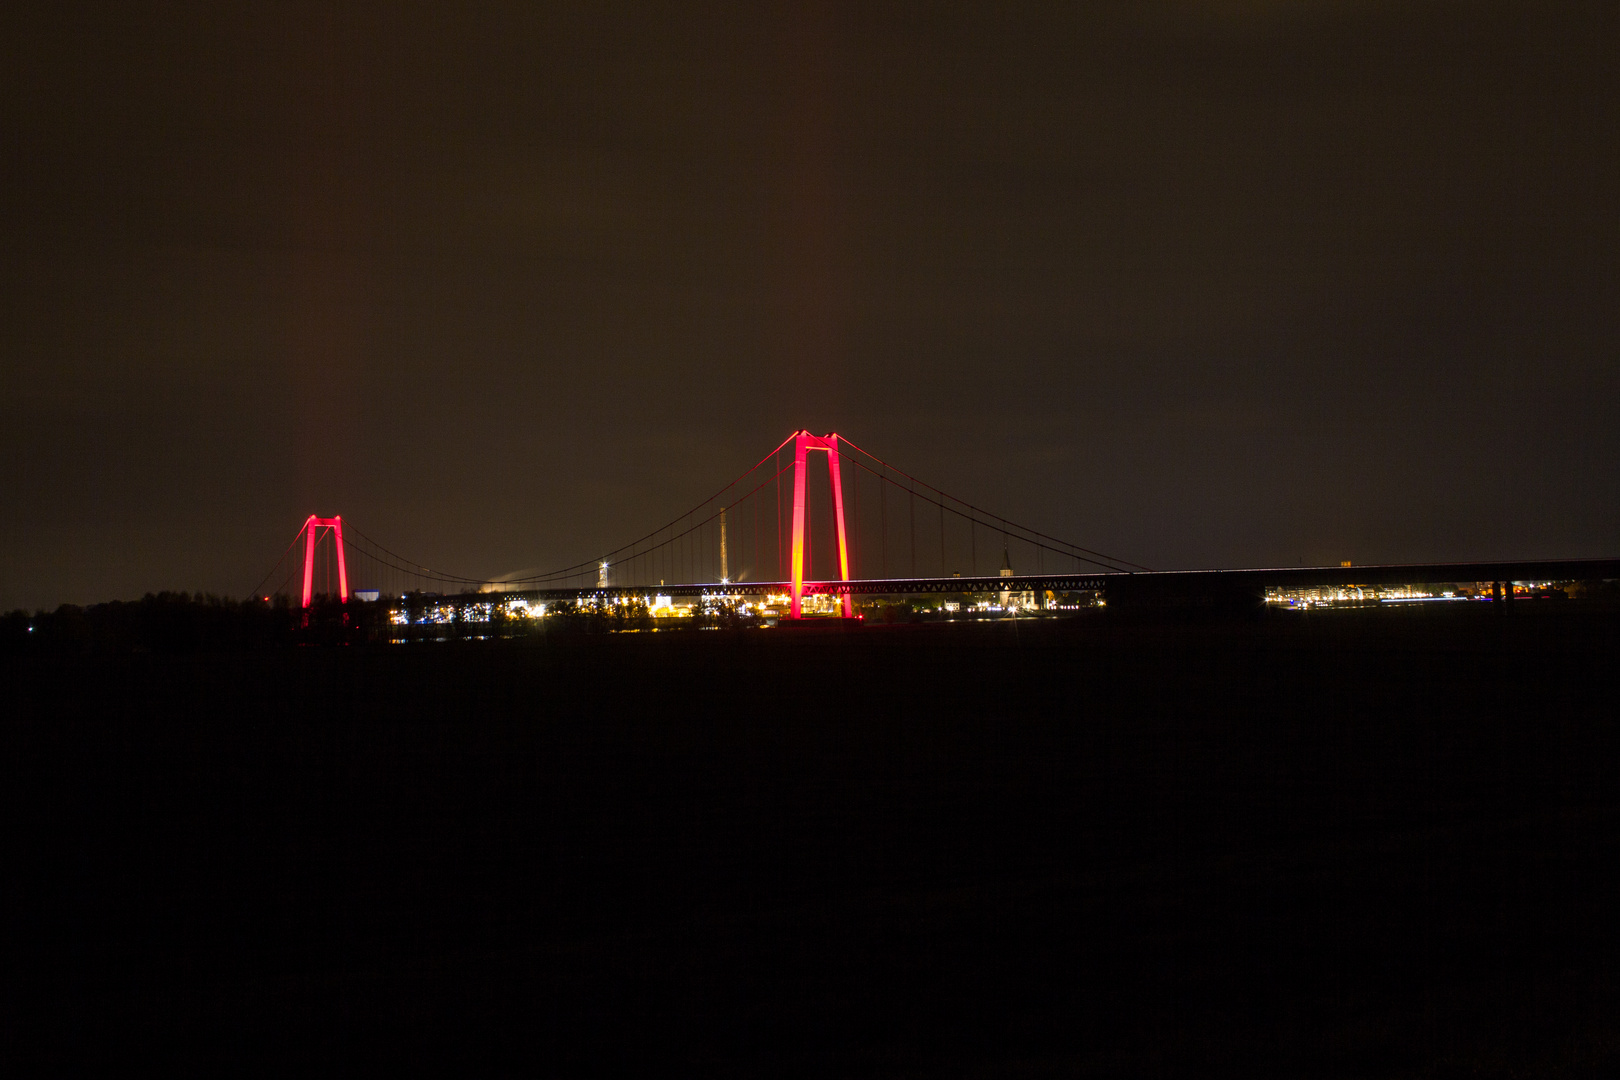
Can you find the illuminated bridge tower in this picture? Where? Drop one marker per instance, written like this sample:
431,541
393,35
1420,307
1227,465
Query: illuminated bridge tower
311,524
804,444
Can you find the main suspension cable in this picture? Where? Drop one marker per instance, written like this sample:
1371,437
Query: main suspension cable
986,513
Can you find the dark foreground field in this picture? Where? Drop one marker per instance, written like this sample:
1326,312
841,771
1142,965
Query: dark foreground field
1380,844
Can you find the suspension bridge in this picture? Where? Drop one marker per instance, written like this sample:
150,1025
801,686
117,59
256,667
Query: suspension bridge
820,518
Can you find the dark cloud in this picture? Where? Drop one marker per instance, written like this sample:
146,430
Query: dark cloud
1200,283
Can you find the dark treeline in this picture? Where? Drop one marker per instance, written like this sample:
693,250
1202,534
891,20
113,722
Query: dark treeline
170,622
179,622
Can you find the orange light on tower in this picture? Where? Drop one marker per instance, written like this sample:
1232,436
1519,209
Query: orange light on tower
803,444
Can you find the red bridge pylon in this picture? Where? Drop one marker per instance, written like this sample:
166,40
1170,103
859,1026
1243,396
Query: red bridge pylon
803,444
311,524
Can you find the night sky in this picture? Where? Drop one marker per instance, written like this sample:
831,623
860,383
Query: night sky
1200,284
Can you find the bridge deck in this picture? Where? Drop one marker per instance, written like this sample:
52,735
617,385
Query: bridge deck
1170,581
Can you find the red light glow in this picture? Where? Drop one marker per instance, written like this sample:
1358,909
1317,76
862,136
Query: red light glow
803,444
336,525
